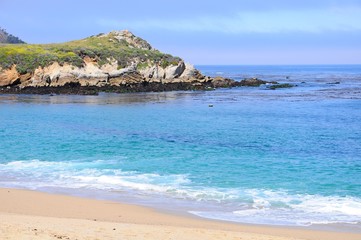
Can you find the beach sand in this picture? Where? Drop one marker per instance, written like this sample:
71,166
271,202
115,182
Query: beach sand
34,215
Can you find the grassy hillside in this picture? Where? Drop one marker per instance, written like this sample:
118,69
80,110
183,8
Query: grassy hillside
102,48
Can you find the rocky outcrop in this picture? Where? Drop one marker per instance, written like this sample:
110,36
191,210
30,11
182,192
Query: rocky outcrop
220,82
117,61
132,40
191,73
181,70
9,77
91,79
56,75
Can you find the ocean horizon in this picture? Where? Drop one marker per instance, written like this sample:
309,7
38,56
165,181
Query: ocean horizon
287,157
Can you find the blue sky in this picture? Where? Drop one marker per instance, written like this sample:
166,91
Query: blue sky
204,32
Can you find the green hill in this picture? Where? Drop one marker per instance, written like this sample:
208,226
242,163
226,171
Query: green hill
123,47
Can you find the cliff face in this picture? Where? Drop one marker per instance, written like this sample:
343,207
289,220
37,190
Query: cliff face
114,59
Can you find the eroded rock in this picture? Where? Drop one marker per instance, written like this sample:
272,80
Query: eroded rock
9,77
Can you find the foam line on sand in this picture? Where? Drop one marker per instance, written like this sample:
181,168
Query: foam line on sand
34,215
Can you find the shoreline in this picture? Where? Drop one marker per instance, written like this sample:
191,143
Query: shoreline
76,89
54,216
143,86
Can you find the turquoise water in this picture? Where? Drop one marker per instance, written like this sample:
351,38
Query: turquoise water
284,157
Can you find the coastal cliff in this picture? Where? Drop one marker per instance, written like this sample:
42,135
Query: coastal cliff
117,61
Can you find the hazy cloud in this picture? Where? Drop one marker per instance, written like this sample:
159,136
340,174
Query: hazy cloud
271,21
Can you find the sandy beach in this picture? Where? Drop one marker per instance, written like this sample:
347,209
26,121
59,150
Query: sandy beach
34,215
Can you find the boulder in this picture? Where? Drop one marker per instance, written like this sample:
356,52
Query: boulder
190,72
173,71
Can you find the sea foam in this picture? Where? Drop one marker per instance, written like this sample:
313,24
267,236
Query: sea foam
231,204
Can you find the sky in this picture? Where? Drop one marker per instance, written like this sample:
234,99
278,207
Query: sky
236,32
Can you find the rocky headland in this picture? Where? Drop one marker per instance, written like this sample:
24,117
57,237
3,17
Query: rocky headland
114,62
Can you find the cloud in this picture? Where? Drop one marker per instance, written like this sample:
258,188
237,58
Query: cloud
271,21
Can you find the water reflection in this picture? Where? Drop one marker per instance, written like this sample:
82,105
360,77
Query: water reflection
102,98
301,92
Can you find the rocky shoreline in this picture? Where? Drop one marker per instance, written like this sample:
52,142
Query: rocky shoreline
75,88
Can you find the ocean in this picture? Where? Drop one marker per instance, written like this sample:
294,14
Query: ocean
288,157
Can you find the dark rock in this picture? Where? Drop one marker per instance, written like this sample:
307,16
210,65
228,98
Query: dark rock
252,82
74,89
220,82
283,85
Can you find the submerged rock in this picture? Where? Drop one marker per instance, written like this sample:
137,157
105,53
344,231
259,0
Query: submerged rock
252,82
283,85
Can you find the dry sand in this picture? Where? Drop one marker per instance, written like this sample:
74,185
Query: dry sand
34,215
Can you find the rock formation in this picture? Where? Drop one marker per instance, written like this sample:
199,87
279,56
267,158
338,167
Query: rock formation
117,61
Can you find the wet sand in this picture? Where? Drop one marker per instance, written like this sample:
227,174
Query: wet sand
34,215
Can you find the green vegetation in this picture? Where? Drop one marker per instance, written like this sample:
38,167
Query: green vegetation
28,57
168,61
101,48
142,65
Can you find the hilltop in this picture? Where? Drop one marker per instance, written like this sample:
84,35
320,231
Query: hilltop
117,61
9,38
